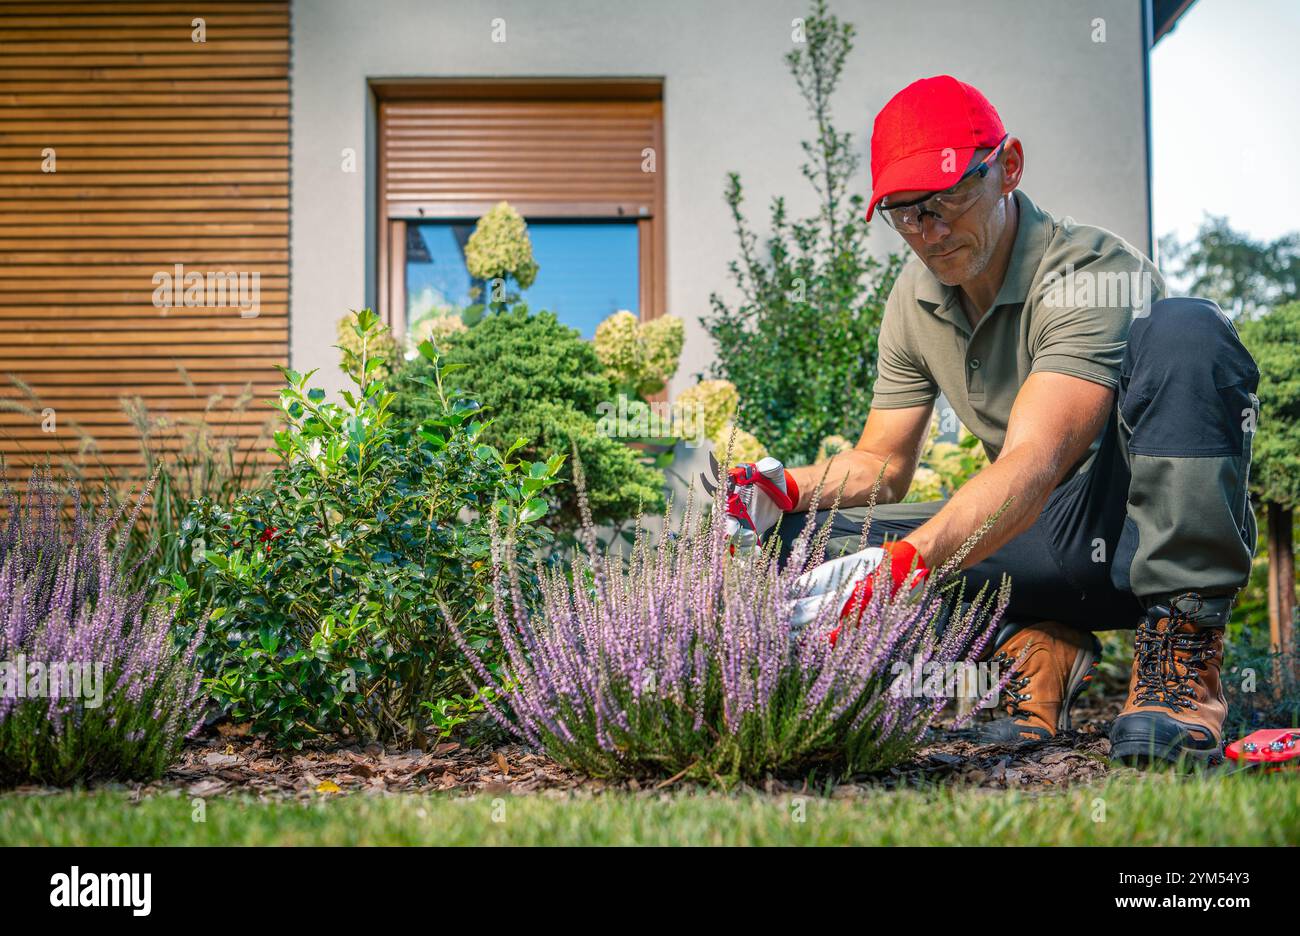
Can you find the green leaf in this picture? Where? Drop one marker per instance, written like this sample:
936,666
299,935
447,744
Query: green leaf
534,509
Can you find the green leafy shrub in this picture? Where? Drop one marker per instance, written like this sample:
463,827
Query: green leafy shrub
383,346
326,580
1274,340
540,381
800,343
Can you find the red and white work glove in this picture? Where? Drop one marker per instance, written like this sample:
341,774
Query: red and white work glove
907,570
757,495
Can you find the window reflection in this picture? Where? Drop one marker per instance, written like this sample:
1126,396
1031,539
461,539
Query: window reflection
587,270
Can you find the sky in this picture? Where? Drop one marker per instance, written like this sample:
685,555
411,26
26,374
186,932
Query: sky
1225,118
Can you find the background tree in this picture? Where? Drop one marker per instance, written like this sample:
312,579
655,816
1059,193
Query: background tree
1259,283
1244,276
1274,341
800,344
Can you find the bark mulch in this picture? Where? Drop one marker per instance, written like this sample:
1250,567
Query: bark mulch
228,760
231,761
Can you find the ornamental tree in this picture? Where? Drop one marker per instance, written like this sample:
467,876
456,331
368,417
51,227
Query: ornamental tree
800,342
1274,341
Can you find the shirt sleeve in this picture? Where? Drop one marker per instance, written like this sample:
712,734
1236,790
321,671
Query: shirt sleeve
902,379
1082,321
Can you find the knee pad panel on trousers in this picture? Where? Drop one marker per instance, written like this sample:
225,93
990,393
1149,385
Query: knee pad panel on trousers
1187,383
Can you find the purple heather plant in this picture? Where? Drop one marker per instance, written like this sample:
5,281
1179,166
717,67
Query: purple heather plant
681,658
92,682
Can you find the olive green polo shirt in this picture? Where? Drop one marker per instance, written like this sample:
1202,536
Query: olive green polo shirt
1070,293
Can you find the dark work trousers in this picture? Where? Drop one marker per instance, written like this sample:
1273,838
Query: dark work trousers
1160,509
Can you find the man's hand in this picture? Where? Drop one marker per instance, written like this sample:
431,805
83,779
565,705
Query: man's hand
907,570
757,495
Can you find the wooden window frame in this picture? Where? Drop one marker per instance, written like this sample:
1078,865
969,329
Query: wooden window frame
393,217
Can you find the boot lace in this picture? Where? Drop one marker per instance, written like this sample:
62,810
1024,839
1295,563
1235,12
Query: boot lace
1012,693
1169,660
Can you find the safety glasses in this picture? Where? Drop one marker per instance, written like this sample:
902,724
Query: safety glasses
948,205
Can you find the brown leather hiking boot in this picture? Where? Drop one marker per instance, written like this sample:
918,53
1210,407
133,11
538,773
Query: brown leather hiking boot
1058,663
1175,706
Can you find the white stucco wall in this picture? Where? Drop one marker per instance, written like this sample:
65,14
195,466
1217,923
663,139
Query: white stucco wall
729,103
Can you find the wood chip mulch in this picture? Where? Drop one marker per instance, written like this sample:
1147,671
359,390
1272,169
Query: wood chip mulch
231,761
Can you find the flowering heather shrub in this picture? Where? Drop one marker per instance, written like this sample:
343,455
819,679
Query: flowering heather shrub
681,659
92,684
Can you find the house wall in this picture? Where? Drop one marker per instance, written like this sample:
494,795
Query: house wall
729,104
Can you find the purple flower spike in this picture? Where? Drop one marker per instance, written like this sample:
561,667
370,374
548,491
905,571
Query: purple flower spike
680,658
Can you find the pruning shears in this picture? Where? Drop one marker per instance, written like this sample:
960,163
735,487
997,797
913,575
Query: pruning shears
710,478
1273,748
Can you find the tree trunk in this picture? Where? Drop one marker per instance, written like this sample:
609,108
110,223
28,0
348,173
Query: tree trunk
1281,595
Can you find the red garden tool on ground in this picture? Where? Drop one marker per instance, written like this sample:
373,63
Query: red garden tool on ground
1272,748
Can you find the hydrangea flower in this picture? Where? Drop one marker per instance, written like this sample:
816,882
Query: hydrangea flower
641,356
500,248
719,401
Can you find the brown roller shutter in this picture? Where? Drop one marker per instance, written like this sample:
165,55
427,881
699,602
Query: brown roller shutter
166,151
452,149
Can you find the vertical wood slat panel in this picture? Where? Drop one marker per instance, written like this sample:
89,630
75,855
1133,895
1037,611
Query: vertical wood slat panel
165,151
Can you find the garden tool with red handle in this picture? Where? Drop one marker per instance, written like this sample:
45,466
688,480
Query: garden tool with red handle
757,494
1271,748
852,579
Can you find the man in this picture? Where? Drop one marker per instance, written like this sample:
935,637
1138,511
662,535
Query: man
1118,426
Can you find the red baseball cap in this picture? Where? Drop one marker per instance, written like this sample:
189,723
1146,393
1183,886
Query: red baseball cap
923,139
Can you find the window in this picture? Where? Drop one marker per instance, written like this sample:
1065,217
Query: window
588,270
582,161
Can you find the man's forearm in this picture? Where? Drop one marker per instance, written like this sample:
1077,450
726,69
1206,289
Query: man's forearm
858,470
1024,477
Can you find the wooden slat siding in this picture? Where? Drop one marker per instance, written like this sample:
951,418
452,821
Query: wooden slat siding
168,151
451,149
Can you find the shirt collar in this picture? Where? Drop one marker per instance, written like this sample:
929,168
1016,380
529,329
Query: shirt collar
1033,231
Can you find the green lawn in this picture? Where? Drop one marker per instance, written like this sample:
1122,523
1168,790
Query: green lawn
1129,810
